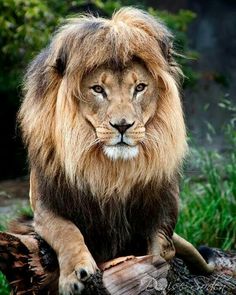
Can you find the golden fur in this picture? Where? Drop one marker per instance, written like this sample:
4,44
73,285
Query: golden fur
130,33
115,206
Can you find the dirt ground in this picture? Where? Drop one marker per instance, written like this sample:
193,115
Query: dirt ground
13,195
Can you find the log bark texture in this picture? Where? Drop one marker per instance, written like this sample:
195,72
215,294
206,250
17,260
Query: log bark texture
31,267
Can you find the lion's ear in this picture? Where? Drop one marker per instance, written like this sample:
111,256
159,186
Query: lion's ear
166,45
61,62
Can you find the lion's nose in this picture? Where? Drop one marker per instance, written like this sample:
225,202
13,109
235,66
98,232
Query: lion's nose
122,126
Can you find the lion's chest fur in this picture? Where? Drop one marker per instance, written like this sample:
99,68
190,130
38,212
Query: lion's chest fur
115,228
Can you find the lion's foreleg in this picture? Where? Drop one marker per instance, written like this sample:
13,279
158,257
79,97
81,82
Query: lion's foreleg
75,261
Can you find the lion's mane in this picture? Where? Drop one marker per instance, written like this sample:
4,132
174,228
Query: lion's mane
59,141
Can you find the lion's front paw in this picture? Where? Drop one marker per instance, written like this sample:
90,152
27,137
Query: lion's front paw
74,282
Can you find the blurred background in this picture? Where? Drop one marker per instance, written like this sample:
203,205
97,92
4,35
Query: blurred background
205,34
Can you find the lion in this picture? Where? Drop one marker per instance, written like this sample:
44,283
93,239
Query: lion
103,124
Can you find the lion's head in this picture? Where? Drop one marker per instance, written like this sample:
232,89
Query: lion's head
118,103
102,105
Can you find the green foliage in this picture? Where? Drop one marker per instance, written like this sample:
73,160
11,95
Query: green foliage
25,27
2,227
208,206
209,202
25,211
107,7
4,288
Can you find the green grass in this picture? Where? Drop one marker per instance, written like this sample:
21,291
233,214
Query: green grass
4,289
208,201
208,206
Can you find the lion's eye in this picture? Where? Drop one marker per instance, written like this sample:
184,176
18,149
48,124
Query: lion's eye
140,87
98,89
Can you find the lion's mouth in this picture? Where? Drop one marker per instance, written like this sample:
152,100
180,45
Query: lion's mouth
121,150
122,143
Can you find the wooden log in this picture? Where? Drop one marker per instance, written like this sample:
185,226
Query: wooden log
31,267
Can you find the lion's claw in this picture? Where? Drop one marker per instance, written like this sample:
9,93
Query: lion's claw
82,274
74,283
70,285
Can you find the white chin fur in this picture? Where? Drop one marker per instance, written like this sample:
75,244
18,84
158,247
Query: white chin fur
120,152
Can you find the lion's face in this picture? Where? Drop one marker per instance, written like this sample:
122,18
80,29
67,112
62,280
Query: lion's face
118,104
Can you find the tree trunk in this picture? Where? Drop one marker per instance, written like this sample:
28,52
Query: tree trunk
31,267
